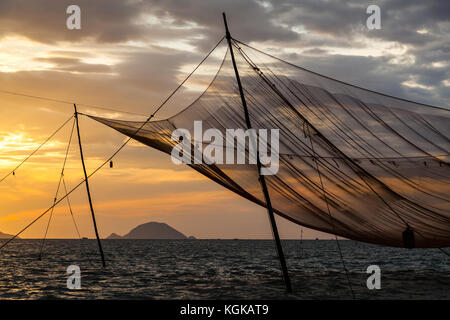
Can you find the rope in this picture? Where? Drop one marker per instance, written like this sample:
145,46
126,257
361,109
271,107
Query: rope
444,252
314,158
186,79
61,176
379,196
345,158
82,251
69,102
329,213
70,209
36,150
114,153
157,109
329,78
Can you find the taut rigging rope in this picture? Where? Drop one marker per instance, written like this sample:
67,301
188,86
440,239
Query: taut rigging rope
61,176
71,103
36,150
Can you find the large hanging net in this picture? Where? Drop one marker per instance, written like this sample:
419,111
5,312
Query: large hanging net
352,162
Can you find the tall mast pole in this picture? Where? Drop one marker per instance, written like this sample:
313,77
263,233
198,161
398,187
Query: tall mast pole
258,163
87,188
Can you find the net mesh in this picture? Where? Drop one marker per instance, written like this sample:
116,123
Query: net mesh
352,162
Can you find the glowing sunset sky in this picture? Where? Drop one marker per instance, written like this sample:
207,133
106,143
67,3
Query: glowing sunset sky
130,55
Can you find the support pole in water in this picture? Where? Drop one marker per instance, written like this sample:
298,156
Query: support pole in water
87,188
258,163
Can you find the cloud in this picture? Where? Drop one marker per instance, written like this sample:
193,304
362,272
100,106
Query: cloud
323,28
131,54
45,21
74,65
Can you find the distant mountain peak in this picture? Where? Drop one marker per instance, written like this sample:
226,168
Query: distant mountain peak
151,230
6,236
114,236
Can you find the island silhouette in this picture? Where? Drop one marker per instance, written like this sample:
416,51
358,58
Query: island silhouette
6,236
151,230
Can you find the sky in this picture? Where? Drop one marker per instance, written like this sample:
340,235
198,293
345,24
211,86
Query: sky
129,55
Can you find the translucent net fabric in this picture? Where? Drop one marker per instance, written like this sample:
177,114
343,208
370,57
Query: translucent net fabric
353,162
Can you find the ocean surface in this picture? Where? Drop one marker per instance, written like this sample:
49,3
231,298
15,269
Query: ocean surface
219,269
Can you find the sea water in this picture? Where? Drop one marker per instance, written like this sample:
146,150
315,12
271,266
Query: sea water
219,269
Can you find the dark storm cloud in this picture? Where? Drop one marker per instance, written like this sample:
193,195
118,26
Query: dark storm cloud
342,24
401,21
367,72
378,74
248,19
330,17
307,25
121,20
45,20
118,21
344,19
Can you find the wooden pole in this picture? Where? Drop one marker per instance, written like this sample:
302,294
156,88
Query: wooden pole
258,163
87,189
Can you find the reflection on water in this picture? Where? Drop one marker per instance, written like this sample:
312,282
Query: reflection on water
218,269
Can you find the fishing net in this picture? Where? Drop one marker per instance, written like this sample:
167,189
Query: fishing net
352,162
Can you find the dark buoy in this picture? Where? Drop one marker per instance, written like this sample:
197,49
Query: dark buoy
14,173
110,164
408,238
